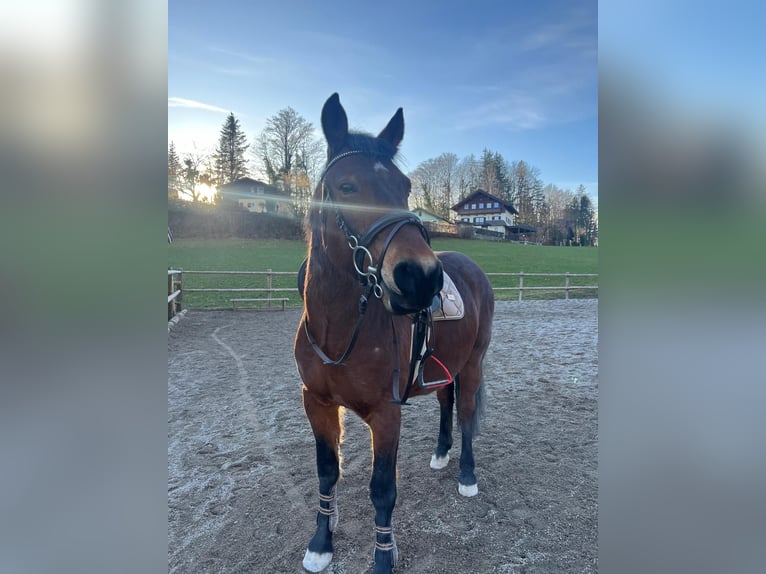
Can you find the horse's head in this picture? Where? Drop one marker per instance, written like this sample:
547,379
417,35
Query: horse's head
376,238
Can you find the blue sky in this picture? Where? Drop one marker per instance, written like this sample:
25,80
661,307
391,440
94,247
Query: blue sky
517,78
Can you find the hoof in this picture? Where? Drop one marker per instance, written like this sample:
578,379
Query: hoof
469,490
316,562
437,463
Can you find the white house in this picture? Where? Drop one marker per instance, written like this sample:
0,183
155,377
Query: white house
257,196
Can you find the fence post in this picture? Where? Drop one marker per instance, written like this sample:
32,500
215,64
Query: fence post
171,304
566,286
521,285
179,299
268,286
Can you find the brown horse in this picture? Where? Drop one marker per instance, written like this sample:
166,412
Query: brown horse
369,270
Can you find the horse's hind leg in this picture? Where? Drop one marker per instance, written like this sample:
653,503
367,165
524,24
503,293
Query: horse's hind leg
440,457
325,422
469,406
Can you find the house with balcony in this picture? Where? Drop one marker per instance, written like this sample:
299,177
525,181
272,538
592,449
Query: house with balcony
491,216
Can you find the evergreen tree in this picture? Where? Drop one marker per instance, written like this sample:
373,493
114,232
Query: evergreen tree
229,157
494,174
526,192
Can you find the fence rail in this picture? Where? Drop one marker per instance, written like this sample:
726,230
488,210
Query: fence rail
277,295
566,288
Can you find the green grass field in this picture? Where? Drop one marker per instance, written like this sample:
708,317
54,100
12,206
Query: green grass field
283,255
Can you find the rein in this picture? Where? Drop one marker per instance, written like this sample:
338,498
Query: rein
369,275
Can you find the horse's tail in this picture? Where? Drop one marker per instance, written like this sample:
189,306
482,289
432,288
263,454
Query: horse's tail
478,413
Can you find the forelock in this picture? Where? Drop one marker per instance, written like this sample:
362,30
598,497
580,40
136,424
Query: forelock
371,146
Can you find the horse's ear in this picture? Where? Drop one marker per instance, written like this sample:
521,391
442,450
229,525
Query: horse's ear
394,131
334,124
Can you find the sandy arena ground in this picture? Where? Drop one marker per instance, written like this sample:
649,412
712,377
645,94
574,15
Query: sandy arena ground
242,488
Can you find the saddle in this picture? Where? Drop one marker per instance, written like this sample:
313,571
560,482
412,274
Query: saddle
448,304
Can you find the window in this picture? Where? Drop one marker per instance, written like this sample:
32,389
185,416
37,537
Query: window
497,204
466,219
473,206
478,220
481,206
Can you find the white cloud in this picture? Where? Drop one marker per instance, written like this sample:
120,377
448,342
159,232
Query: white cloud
514,111
186,103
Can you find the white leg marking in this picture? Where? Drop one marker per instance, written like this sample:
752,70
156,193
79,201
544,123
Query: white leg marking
470,490
437,463
316,562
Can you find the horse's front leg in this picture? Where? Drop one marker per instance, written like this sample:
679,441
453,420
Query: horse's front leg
326,425
385,426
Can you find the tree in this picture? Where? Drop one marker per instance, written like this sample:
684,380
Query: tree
526,192
494,177
468,176
423,181
174,172
434,184
555,221
229,157
290,155
195,172
586,219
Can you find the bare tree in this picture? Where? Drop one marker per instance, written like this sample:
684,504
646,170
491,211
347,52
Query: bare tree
424,184
555,223
195,172
435,183
290,155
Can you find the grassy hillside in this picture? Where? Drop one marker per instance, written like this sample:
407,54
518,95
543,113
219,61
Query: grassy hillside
284,255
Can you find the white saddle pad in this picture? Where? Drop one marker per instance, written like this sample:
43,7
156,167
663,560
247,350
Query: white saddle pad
451,306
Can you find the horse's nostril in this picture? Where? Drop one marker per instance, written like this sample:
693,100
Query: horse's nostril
416,284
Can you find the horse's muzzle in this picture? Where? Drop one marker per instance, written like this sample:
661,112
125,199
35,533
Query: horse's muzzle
416,286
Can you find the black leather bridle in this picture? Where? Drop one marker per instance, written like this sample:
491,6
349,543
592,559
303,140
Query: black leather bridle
369,275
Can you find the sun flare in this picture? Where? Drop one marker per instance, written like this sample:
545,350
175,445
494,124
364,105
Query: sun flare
204,192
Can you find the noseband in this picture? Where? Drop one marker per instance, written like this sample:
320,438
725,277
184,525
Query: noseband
369,275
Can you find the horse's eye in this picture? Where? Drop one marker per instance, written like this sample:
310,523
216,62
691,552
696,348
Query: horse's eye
347,187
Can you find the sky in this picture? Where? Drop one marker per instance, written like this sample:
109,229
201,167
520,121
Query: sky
515,78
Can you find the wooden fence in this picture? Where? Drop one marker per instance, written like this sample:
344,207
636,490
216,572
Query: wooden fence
175,292
566,288
278,289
